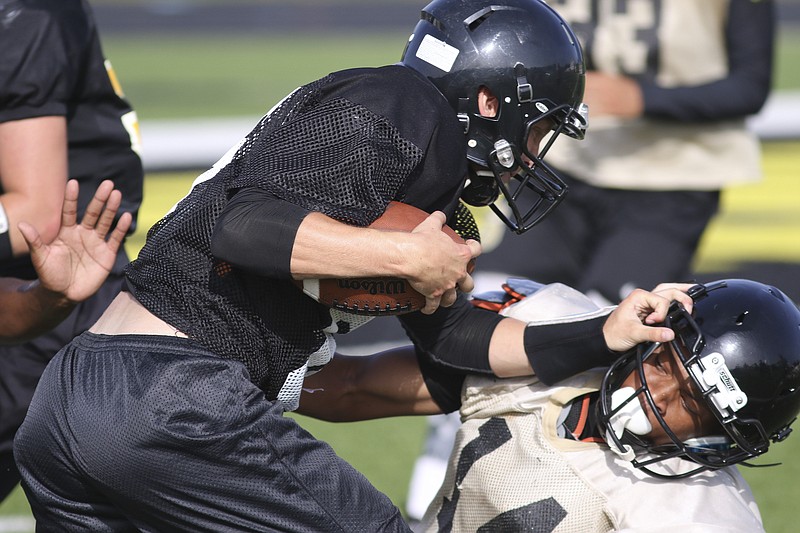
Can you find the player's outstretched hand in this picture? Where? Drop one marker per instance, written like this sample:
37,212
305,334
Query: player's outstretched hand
442,265
76,263
634,320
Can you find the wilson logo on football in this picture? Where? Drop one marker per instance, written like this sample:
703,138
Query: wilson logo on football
375,286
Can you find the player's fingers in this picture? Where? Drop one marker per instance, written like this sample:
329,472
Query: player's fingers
652,334
448,298
659,312
475,248
467,284
118,235
95,208
69,210
434,222
109,212
431,305
650,307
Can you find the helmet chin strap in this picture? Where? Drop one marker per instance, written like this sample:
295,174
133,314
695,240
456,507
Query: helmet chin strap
628,415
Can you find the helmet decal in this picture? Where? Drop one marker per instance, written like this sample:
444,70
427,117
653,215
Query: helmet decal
437,53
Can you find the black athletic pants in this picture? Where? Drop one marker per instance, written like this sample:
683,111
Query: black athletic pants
609,241
155,433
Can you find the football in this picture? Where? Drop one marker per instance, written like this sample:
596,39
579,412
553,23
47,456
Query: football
376,296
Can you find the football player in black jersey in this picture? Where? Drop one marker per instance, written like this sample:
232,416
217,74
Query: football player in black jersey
62,116
168,413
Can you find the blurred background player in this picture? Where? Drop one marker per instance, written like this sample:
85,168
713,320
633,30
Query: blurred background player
669,84
62,115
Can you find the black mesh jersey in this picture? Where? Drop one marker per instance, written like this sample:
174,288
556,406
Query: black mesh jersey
344,145
52,64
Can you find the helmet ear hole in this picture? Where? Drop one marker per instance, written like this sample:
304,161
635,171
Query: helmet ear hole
488,104
501,66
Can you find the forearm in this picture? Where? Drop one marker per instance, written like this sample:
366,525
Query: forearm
325,247
721,100
264,234
475,341
271,237
352,388
27,309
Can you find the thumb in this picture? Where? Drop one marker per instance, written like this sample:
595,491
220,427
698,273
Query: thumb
31,236
657,334
434,222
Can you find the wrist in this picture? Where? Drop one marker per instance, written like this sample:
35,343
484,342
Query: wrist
558,351
403,254
47,298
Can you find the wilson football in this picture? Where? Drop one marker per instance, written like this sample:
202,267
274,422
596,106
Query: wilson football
376,296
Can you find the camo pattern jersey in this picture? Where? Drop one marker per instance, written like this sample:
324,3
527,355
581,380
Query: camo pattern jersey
510,471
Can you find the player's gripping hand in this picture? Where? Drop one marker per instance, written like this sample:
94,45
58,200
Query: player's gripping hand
438,266
76,263
632,322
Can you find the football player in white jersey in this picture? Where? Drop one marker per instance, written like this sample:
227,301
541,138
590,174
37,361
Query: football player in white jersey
649,444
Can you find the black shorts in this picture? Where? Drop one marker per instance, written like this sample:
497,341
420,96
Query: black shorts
155,433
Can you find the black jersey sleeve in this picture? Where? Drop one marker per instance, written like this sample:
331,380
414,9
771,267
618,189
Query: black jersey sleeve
256,231
34,66
750,35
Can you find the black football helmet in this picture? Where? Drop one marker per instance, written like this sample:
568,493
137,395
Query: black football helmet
741,349
528,57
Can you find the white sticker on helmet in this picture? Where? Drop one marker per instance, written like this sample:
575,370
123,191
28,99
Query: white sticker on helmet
437,53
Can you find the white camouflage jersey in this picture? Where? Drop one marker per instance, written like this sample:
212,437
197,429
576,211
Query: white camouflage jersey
510,471
669,44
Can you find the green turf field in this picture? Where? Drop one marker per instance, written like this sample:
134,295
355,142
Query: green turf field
220,75
168,77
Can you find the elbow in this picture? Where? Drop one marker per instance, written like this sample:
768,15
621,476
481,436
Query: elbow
751,98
